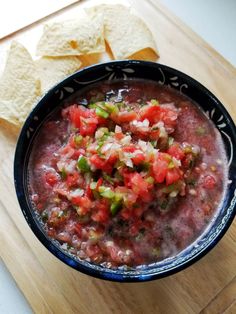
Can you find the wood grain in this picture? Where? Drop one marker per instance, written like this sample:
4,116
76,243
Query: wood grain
52,287
223,301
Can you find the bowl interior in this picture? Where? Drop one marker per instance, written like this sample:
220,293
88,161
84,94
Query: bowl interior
128,70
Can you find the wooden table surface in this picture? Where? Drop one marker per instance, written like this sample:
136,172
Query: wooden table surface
208,286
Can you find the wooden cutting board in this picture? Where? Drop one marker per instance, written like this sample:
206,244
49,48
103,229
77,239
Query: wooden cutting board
209,286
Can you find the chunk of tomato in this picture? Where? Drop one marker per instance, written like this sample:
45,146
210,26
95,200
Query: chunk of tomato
160,168
72,179
100,163
209,182
124,116
138,184
172,176
138,159
88,126
150,112
82,201
51,178
75,112
176,151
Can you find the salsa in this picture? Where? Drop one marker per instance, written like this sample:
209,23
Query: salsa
127,173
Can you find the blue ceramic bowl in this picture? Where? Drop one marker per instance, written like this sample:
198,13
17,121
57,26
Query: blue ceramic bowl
123,70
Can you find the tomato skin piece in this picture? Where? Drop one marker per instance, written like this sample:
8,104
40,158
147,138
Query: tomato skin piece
176,151
209,182
172,176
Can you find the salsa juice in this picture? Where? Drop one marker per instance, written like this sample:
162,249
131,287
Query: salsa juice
127,173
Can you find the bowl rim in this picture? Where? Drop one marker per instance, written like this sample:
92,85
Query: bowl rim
25,207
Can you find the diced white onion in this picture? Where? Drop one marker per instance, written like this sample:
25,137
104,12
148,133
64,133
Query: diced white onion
195,149
77,192
118,129
192,192
70,167
126,140
99,133
129,163
176,162
142,145
106,147
61,165
173,194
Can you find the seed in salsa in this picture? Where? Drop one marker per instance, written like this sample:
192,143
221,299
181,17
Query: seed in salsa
131,178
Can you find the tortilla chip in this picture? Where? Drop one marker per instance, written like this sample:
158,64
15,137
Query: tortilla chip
125,33
19,85
53,69
72,38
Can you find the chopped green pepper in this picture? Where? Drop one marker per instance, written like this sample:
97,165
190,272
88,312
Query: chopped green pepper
111,107
63,174
101,113
115,207
149,180
78,139
82,164
106,192
93,185
154,102
171,165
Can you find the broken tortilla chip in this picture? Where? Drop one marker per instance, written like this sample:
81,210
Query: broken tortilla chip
125,33
53,69
72,38
19,85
